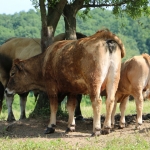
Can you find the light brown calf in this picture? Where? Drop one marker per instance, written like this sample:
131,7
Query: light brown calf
135,81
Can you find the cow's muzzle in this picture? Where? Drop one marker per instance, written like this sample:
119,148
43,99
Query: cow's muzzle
9,93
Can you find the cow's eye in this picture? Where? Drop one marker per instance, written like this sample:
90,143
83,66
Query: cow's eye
12,74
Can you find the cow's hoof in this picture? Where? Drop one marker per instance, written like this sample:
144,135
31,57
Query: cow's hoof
70,129
49,130
122,125
105,131
97,132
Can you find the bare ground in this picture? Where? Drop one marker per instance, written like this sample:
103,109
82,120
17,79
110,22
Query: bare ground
33,128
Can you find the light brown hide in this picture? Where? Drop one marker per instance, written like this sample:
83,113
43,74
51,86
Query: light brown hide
135,81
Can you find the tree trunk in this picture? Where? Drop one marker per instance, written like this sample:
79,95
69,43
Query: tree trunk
70,12
70,22
49,24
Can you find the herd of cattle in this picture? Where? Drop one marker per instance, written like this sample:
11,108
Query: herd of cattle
89,65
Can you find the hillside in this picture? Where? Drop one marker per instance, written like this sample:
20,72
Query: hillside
134,33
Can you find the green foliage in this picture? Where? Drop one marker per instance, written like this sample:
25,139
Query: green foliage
134,33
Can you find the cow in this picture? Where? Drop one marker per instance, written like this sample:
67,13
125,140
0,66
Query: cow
23,48
135,81
85,66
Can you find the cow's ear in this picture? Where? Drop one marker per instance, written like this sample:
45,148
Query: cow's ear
18,64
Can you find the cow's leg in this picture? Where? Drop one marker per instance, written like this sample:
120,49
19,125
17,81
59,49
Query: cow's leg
61,97
111,88
9,101
113,115
123,105
78,113
96,101
23,99
139,109
53,109
1,95
71,104
109,107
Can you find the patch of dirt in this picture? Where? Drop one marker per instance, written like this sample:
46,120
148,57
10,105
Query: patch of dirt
34,128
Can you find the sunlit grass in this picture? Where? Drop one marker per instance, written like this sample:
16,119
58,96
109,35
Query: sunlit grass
130,142
86,107
16,107
32,144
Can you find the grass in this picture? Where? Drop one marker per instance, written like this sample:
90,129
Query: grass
132,141
86,107
32,144
128,143
16,107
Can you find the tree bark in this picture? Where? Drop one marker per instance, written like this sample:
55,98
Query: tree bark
70,11
49,24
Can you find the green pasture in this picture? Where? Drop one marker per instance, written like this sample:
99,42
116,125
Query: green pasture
138,143
86,107
130,142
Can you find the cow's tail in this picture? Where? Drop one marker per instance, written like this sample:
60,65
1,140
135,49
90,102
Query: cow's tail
109,37
120,44
1,96
147,58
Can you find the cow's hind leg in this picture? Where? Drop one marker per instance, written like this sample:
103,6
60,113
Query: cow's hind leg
23,99
113,115
96,101
139,109
109,107
53,109
78,113
123,105
9,101
111,88
71,104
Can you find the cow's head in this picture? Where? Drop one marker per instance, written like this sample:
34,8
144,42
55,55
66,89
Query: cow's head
18,81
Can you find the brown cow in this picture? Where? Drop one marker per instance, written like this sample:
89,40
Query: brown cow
85,66
135,81
22,48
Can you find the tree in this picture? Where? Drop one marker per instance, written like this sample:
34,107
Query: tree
69,9
69,12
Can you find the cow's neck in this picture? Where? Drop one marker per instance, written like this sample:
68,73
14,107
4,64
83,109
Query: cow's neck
34,66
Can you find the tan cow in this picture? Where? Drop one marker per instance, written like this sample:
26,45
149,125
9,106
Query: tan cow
85,66
135,81
21,48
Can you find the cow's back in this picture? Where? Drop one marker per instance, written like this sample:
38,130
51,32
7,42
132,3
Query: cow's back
74,64
134,71
21,48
